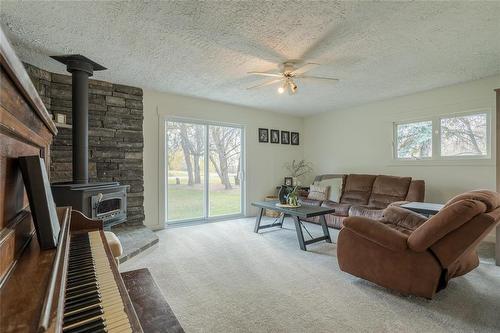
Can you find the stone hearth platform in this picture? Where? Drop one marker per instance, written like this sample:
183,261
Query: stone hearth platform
135,239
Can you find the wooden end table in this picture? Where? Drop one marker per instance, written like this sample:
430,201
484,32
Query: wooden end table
296,213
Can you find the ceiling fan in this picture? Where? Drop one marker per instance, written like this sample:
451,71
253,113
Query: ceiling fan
288,75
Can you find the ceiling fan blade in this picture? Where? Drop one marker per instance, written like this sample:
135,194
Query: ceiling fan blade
307,67
266,74
267,83
316,78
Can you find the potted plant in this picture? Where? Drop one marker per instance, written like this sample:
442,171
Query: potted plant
298,169
293,197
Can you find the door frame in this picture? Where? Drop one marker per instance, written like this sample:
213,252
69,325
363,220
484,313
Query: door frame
163,176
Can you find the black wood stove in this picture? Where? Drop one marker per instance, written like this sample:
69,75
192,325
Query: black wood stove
106,201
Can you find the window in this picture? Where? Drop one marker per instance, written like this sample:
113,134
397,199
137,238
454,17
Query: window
464,135
414,140
446,137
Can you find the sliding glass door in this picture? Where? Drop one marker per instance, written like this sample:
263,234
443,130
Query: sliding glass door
224,173
204,171
186,171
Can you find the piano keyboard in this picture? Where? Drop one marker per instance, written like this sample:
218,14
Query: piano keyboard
92,301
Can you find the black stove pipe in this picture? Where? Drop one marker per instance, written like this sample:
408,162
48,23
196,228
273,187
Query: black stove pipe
80,113
80,68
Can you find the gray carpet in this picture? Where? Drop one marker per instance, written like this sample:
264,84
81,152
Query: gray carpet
222,277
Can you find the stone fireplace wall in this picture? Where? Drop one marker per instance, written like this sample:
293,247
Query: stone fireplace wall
115,134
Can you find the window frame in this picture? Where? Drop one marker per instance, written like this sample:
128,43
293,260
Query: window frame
395,140
488,135
436,137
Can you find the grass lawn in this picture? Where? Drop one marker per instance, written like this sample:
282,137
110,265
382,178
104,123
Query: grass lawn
182,177
186,202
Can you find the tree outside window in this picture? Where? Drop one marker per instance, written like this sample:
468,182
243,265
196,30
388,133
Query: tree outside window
464,135
414,140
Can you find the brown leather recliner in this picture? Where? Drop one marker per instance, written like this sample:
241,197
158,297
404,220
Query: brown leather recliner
407,253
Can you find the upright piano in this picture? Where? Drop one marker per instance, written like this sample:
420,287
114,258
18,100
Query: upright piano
75,287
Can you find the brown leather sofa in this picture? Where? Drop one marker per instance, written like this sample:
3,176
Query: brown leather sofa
408,253
368,195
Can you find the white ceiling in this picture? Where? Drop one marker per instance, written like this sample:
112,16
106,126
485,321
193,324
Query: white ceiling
377,49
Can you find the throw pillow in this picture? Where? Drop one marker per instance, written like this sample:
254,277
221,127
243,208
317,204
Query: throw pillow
335,185
317,192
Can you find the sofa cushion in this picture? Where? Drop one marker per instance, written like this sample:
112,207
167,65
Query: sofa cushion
373,213
416,191
387,189
340,209
335,221
378,233
357,189
310,202
401,219
318,192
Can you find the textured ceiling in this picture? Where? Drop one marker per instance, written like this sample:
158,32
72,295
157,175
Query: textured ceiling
204,49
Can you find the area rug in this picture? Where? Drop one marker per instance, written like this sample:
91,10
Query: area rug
222,277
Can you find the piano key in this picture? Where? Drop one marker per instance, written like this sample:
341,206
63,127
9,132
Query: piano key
82,309
94,301
82,274
82,291
81,278
80,269
81,303
82,295
80,286
81,323
79,258
90,327
89,268
78,317
79,261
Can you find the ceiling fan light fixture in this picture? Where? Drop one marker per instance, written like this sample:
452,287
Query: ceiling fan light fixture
283,87
292,86
286,75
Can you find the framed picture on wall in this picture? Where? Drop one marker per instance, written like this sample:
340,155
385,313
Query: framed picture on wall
285,137
275,136
288,181
294,138
263,135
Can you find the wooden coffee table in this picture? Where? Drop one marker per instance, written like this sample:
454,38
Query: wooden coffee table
296,214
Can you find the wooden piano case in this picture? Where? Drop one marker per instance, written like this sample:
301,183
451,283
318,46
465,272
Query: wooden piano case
25,129
32,282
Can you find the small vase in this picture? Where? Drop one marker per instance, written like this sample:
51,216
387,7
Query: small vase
282,194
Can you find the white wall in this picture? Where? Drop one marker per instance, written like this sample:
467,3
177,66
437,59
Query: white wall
359,139
264,161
